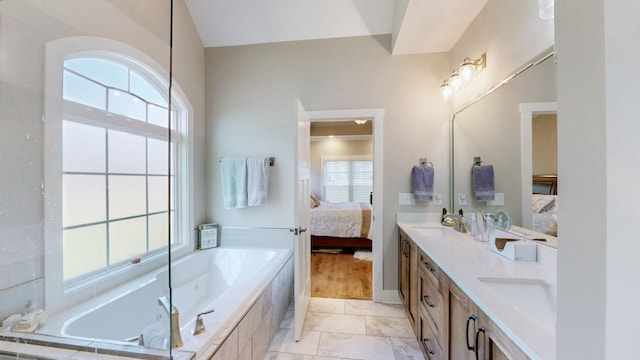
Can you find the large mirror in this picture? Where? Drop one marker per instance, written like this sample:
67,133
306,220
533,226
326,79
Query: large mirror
512,126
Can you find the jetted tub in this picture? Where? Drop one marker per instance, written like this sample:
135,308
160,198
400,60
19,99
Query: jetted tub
226,280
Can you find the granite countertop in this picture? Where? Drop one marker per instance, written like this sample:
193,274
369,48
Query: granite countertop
527,320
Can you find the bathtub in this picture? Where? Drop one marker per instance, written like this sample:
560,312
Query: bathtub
226,280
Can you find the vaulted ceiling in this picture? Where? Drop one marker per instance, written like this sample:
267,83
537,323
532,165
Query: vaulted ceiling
418,26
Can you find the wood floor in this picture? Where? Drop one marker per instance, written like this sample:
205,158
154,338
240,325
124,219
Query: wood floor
340,276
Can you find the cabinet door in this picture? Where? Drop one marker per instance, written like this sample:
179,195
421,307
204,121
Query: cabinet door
461,330
407,276
495,344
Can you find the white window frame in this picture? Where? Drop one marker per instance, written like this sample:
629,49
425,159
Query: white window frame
57,295
326,158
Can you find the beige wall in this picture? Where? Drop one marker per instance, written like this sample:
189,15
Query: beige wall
544,144
251,92
25,27
334,147
510,33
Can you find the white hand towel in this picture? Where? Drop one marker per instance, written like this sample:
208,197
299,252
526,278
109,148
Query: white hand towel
257,180
234,182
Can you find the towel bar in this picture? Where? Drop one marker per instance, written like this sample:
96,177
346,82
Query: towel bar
272,161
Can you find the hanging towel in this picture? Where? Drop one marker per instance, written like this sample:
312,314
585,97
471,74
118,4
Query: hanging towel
257,180
422,183
234,182
483,183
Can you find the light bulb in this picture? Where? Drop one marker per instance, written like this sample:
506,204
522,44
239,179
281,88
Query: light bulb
467,70
446,91
545,9
455,81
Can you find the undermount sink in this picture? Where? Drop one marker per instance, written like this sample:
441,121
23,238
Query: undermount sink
434,231
534,298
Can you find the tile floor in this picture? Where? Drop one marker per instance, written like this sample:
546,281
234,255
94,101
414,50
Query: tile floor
338,329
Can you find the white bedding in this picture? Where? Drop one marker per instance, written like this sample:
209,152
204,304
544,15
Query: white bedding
544,211
339,219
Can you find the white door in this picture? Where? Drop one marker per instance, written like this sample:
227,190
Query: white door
302,240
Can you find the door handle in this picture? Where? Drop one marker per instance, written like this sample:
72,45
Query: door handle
297,231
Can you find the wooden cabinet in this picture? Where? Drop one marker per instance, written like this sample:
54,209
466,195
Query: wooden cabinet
462,318
473,335
447,323
496,345
407,276
430,307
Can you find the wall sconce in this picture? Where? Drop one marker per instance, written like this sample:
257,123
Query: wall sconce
546,9
461,76
360,122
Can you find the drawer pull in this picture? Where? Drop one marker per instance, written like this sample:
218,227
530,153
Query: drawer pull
428,301
480,330
429,267
425,341
471,317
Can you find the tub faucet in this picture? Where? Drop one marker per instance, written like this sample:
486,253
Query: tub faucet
172,312
199,327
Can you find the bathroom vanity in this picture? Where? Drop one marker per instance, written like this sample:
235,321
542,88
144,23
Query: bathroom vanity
467,302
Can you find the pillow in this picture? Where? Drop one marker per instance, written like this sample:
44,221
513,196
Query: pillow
542,203
314,200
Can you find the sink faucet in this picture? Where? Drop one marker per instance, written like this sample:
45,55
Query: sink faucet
455,221
172,312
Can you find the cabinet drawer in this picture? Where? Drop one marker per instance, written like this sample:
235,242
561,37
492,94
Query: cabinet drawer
427,339
431,303
431,269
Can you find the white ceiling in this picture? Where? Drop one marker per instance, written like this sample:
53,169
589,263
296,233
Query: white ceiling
425,26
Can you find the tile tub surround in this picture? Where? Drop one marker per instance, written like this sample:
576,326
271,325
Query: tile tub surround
248,336
347,329
465,261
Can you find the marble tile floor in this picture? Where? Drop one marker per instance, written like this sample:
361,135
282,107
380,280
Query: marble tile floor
339,329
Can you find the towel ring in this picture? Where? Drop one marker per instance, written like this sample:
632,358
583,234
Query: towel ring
425,162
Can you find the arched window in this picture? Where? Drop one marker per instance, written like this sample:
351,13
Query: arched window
117,168
117,157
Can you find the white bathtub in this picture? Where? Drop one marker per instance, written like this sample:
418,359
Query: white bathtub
227,280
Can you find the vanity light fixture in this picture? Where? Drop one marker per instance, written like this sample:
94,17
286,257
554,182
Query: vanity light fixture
454,80
446,90
360,122
546,9
469,68
461,76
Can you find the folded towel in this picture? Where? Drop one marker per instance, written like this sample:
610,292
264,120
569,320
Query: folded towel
257,180
422,183
234,182
483,183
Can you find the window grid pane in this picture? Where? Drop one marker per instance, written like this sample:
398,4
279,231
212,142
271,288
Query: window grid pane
136,179
347,180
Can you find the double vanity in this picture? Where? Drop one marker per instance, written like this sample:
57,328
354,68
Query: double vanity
467,302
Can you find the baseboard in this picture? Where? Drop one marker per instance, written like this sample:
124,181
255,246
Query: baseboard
388,297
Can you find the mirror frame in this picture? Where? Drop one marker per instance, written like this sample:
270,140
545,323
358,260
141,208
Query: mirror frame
527,111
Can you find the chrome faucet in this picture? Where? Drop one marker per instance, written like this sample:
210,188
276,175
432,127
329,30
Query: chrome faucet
454,220
172,312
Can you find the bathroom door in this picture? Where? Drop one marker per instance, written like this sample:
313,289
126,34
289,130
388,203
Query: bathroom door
302,241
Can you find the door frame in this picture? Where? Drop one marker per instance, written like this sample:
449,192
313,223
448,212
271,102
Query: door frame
376,115
527,112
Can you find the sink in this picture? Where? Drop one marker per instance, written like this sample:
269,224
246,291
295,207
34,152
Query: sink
534,298
434,231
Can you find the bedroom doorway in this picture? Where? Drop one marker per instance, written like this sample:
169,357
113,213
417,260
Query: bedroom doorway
528,112
338,269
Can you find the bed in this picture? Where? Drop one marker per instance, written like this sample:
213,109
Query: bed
544,204
340,225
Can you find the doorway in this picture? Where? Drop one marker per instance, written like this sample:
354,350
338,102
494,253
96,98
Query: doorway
335,264
528,111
